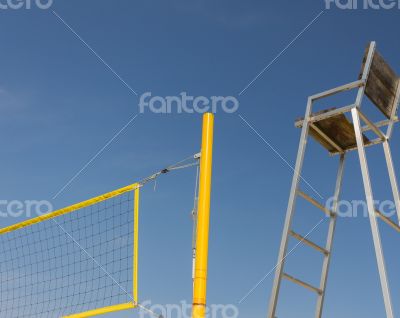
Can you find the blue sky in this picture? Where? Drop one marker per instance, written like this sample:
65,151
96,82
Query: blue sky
60,105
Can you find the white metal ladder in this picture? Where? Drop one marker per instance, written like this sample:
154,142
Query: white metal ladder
332,129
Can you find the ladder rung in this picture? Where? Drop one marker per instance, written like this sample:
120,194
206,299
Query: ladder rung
309,243
388,221
301,283
315,203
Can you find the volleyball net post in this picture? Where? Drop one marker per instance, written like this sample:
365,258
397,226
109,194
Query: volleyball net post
203,219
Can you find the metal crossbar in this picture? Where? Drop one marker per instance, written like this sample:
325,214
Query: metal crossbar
315,203
301,283
306,241
320,127
388,221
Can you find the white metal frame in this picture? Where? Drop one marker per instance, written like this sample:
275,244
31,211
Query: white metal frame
383,138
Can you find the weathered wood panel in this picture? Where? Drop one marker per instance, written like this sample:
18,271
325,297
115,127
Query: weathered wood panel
382,84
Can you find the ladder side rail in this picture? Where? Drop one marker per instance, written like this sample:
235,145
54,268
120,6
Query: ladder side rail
392,177
393,118
290,212
365,74
372,215
331,233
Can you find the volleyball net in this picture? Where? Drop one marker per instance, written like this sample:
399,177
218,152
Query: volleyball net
79,261
82,260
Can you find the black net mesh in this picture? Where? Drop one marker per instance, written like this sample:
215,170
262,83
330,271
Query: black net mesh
71,264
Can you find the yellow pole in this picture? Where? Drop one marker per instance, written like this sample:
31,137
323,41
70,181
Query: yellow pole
136,246
203,219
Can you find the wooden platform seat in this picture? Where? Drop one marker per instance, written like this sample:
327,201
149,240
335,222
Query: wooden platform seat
338,129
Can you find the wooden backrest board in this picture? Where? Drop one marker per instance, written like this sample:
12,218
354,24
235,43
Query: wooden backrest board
382,84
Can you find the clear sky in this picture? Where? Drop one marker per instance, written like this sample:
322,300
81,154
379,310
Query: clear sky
60,104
